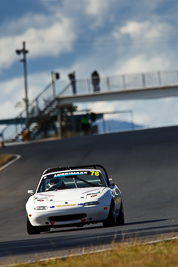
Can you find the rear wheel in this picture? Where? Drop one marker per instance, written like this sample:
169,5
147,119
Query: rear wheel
120,218
111,220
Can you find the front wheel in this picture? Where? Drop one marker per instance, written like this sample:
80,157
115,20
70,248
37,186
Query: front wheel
111,220
32,230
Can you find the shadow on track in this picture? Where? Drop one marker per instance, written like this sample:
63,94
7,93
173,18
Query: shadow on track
85,237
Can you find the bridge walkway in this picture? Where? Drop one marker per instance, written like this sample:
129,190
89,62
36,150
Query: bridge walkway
121,87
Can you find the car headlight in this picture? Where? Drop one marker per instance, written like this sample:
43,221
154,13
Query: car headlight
92,203
41,208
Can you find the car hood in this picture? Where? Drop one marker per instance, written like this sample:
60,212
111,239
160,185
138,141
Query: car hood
68,195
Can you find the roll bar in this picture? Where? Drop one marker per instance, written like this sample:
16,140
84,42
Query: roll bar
94,166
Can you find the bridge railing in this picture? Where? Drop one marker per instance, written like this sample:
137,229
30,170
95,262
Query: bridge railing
143,80
107,84
125,82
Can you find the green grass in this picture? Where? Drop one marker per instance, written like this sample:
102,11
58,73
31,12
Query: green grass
4,158
123,255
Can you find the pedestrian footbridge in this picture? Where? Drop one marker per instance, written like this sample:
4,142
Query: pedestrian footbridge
59,94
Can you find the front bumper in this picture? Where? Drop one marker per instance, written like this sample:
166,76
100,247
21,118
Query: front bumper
68,216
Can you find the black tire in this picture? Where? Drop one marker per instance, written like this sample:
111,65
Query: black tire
32,230
120,218
45,229
111,220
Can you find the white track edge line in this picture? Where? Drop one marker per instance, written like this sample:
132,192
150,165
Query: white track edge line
85,253
10,162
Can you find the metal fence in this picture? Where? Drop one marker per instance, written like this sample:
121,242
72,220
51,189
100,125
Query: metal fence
85,86
127,82
124,82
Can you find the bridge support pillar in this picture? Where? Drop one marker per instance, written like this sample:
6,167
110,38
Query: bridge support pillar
59,124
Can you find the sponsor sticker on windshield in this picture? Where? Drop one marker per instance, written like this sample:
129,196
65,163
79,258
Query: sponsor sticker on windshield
70,173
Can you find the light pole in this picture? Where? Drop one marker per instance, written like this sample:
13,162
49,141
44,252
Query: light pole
23,51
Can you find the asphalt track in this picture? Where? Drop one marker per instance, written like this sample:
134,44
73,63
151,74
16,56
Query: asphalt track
144,164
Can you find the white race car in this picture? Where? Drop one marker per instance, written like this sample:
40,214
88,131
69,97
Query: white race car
74,196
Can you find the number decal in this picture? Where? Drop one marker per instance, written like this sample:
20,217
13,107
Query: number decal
94,173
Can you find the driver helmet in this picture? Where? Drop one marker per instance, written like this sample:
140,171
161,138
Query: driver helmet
54,181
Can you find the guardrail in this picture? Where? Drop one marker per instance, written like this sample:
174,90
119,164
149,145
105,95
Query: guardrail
85,86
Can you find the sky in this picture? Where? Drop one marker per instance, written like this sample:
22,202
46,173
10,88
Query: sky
112,36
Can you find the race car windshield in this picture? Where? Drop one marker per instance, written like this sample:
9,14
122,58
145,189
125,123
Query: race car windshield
72,179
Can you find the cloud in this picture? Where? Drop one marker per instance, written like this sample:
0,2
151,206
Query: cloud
50,41
96,7
99,11
13,92
138,31
47,40
48,0
141,46
142,63
145,29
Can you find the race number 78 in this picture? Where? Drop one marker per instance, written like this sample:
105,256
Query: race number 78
94,173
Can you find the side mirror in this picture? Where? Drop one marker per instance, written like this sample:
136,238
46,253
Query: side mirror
110,179
30,192
112,186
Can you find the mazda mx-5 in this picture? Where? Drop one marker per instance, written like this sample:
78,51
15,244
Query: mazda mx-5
74,196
